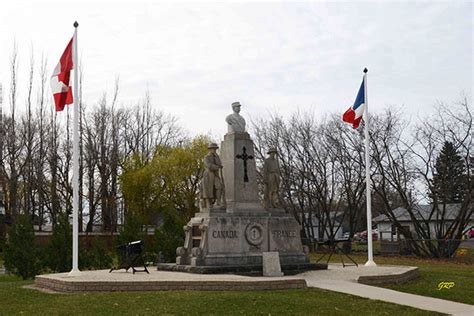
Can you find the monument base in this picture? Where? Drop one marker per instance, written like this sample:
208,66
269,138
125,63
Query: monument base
249,270
220,242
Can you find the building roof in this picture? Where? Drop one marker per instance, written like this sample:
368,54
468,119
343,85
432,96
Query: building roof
421,212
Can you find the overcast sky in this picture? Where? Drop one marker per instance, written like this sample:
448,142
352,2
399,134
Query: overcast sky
195,59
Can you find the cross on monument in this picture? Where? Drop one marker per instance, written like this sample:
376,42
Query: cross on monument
245,157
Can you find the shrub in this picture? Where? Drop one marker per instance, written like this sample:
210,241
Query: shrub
169,236
2,232
96,255
132,231
58,255
21,256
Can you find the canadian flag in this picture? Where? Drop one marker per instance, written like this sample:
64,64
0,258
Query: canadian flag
62,91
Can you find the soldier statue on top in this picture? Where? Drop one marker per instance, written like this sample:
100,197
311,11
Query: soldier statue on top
235,122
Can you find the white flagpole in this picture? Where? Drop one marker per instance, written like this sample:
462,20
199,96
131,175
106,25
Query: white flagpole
370,261
75,155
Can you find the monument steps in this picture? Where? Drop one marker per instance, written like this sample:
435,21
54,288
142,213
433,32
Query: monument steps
247,270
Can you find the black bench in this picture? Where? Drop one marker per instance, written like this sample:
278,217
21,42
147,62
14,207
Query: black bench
130,256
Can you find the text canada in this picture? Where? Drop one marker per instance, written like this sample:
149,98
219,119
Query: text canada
231,234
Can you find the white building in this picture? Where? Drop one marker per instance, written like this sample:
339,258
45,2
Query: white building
315,227
388,231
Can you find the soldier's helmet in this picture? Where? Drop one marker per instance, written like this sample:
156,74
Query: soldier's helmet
272,150
212,145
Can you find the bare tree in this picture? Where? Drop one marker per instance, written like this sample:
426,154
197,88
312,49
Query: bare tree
312,183
346,145
28,131
404,170
35,150
53,149
40,156
12,146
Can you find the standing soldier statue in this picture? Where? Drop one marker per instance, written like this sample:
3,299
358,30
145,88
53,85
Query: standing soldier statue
212,187
271,179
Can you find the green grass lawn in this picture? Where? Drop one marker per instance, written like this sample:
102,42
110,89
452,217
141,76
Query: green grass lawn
458,270
362,247
17,300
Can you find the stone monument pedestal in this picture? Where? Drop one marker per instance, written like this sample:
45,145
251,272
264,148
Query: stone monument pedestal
227,239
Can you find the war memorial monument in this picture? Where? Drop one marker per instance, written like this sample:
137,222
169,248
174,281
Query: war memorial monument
234,230
234,238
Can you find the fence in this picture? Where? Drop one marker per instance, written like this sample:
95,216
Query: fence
397,244
42,238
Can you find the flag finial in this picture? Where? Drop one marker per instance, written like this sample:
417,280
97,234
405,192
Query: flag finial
365,69
76,24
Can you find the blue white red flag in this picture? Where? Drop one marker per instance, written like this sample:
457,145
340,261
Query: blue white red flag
354,114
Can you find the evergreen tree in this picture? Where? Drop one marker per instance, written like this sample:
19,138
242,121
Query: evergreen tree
21,254
449,180
170,236
132,230
59,250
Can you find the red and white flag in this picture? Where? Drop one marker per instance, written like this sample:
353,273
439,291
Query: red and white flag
60,79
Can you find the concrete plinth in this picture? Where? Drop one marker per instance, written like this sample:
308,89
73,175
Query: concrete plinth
232,240
240,173
103,281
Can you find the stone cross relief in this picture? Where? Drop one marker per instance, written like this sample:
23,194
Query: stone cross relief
244,156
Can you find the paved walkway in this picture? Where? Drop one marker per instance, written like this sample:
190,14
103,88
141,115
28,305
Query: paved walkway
344,280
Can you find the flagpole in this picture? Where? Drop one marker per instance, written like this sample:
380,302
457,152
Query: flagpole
75,176
370,261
